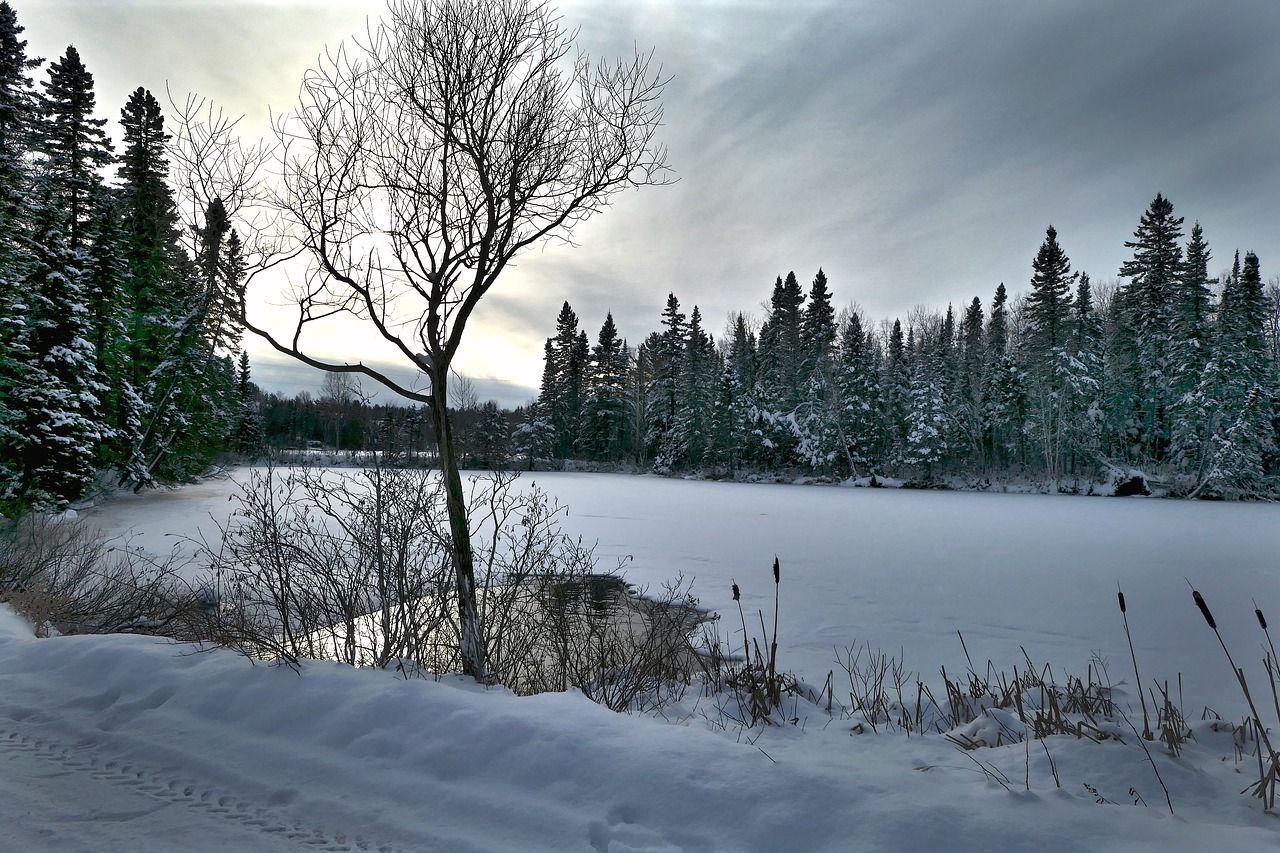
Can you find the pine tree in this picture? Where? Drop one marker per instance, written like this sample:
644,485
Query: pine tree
62,421
926,445
493,442
109,312
857,381
689,439
1191,348
1048,305
743,446
17,115
1082,377
605,411
567,357
61,399
1045,353
662,393
247,433
1005,395
896,390
74,148
971,382
1153,273
817,327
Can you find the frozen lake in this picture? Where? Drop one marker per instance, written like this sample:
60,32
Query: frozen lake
905,570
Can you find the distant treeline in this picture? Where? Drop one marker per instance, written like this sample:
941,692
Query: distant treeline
1171,371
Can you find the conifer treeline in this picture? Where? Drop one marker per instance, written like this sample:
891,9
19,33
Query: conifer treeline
1157,373
116,341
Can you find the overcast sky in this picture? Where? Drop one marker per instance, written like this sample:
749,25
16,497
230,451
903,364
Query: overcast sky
914,150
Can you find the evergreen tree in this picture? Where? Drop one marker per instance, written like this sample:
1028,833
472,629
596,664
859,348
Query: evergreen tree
1005,396
1190,351
926,444
62,421
17,115
817,327
1049,305
664,369
74,149
1049,363
566,364
493,438
1151,297
860,419
741,367
605,431
690,436
247,434
896,391
971,382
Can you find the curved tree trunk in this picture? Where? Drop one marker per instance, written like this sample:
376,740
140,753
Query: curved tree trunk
471,637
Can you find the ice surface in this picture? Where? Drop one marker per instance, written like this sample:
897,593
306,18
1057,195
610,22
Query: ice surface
121,742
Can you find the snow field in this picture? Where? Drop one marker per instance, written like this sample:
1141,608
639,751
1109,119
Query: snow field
344,759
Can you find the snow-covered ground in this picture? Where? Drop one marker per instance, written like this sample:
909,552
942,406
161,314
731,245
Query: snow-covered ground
130,743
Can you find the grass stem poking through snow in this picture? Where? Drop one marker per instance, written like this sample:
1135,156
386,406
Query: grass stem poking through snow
1137,679
1265,789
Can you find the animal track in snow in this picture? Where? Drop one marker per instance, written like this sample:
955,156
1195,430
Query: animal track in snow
170,790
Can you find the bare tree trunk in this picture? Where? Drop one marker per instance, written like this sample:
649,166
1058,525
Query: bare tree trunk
471,638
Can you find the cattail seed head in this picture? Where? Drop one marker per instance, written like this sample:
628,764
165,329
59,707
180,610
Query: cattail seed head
1120,595
1262,620
1204,609
777,574
736,592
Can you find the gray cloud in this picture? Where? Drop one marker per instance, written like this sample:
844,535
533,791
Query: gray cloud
916,151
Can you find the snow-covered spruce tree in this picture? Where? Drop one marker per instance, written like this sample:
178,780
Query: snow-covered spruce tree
564,381
605,432
643,371
1006,395
1151,297
779,382
895,391
862,427
164,289
741,438
247,434
62,420
17,114
662,393
970,414
191,390
1192,343
492,446
689,439
1082,383
817,328
61,402
1045,353
816,421
110,320
926,444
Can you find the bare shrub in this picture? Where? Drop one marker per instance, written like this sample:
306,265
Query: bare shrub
354,566
346,567
67,579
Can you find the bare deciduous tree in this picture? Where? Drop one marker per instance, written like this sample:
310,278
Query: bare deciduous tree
420,161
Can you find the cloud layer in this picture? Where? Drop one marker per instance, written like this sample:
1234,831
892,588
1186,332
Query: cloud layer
915,151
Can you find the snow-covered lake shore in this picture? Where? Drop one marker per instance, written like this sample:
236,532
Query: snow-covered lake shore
127,742
904,570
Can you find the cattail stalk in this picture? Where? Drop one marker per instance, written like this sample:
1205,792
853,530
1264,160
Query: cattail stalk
1146,720
1266,783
